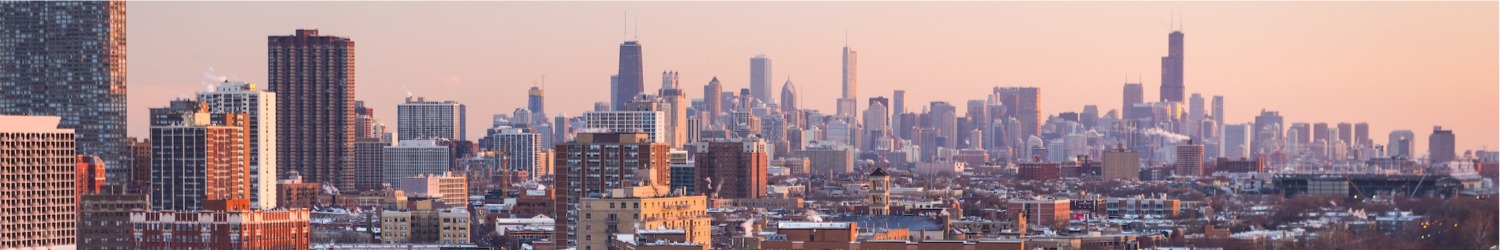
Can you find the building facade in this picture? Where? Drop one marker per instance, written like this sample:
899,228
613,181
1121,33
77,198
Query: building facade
260,106
732,168
313,77
198,156
596,162
641,210
39,213
412,158
649,122
418,118
282,229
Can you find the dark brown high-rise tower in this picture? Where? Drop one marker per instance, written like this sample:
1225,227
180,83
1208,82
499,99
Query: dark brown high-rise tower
313,77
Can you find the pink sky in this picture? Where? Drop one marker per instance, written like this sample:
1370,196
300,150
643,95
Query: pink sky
1393,65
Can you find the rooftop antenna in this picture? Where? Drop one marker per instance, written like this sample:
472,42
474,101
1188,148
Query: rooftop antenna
625,26
637,35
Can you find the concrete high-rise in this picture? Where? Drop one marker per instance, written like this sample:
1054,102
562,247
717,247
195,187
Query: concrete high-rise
521,147
632,78
898,107
649,122
760,79
944,118
313,77
1236,140
1218,109
1440,145
594,163
1121,164
1319,132
369,163
1266,132
1402,144
198,156
260,106
1189,159
1196,114
732,168
67,59
1361,134
411,158
848,102
1172,69
1346,133
1134,94
40,207
419,119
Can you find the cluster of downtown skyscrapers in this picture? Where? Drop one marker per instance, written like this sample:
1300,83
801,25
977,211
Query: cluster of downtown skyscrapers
244,148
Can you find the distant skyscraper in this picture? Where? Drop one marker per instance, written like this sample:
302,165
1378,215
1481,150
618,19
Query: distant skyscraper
1236,141
944,118
1218,108
760,79
898,107
632,78
1024,104
1266,132
313,77
41,202
419,119
848,102
1304,132
243,98
197,156
789,97
1346,133
1134,94
67,59
536,103
1196,114
364,121
713,101
1402,144
1171,69
521,146
1319,132
732,168
675,108
1361,134
1440,145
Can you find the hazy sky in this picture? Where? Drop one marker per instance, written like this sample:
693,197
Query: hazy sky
1394,65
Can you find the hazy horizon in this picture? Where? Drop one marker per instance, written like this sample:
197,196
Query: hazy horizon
1394,65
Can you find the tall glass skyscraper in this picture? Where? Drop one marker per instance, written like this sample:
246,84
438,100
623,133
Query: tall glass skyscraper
1171,69
632,79
67,59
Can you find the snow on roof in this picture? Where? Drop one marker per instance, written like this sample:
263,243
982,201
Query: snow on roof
813,225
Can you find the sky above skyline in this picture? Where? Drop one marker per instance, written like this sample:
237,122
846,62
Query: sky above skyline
1395,65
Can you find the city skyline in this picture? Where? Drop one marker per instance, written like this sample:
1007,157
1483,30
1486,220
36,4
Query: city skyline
1299,67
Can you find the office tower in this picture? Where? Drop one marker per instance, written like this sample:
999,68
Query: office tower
1266,132
614,94
1346,133
369,163
1236,138
411,158
40,205
649,122
1134,94
744,102
1218,109
260,106
1171,69
713,102
632,78
732,168
427,221
1195,116
1121,164
562,129
1440,145
419,119
594,163
67,59
760,79
198,156
364,121
536,103
877,124
1303,135
221,225
1319,132
1189,159
449,187
898,107
313,77
1402,144
789,97
880,192
651,210
848,101
675,102
944,118
521,117
521,147
97,210
1361,135
1025,104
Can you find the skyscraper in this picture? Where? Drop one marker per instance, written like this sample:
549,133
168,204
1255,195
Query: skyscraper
260,106
898,106
197,156
1361,134
713,101
1218,110
419,119
1024,104
1171,69
760,79
1196,114
1190,159
1440,145
848,102
1121,164
1346,133
1236,141
944,118
1134,94
40,211
789,97
675,108
522,147
632,79
67,59
648,122
313,77
536,103
411,158
1266,132
1402,144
